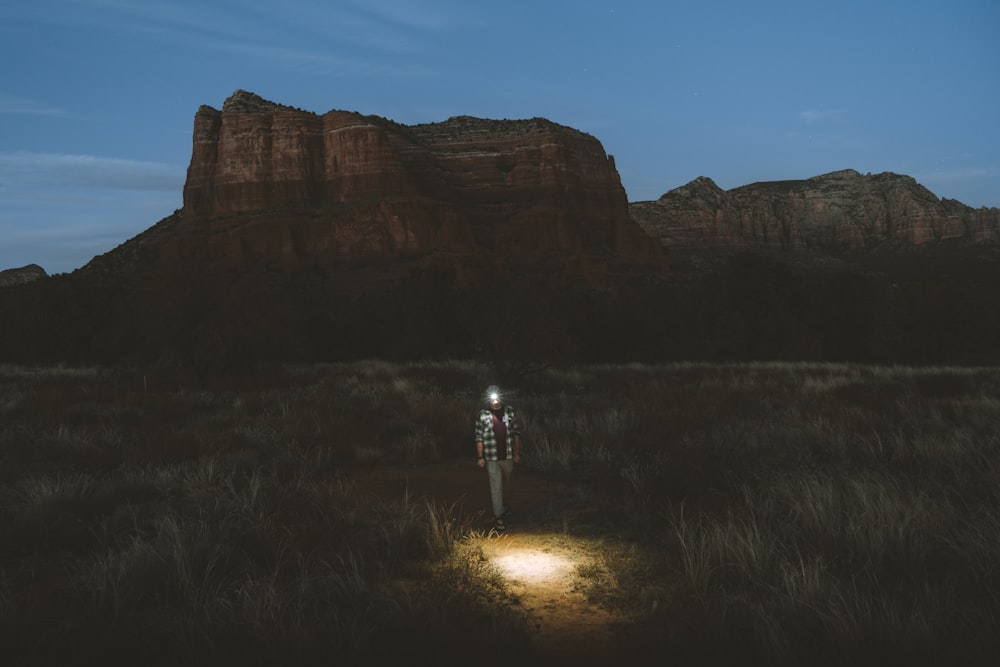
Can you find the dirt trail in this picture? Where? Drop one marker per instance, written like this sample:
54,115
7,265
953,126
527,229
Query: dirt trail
542,570
539,559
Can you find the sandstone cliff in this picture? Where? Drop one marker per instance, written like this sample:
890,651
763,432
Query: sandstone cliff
271,182
843,210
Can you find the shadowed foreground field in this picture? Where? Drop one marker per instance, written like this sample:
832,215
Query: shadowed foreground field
761,514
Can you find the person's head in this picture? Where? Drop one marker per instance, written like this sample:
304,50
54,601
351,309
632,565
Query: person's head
494,398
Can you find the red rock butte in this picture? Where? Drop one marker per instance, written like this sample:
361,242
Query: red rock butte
273,182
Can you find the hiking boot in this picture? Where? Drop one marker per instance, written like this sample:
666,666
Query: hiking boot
499,526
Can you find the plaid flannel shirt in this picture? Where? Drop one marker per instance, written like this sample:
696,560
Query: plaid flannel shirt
484,432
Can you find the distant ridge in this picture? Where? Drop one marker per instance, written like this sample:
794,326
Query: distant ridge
835,212
22,275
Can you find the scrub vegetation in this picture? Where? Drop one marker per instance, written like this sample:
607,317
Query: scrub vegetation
765,513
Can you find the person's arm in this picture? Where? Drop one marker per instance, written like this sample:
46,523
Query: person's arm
480,459
515,426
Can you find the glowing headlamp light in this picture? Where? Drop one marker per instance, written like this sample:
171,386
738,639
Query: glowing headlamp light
494,396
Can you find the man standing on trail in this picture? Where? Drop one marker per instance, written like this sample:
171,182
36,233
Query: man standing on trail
498,448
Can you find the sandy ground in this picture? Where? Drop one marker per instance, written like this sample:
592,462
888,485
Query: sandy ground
539,558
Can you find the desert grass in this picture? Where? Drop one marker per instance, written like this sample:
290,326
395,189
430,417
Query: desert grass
750,513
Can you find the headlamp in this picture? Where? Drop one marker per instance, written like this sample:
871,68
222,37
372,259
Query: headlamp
494,396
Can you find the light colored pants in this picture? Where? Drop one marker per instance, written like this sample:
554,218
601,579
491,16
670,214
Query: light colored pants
499,473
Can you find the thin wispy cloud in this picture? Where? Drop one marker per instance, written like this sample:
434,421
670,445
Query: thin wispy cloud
328,27
812,116
329,64
26,107
25,169
176,18
291,28
365,40
412,15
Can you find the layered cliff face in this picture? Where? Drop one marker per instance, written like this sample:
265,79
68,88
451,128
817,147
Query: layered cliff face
840,211
269,181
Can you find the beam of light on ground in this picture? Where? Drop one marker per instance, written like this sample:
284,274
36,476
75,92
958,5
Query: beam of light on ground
532,566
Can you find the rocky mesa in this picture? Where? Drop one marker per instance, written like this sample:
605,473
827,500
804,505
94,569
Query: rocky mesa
271,182
839,211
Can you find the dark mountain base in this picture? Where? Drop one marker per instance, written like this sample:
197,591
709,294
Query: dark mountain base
921,306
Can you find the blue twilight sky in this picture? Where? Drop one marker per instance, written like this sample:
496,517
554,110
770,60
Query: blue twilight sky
97,97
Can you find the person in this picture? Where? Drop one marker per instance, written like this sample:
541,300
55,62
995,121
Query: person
498,448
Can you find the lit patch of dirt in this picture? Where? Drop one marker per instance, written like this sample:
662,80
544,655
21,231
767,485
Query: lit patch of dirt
540,559
542,570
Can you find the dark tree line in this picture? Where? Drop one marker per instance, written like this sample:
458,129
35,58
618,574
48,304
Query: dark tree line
916,308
